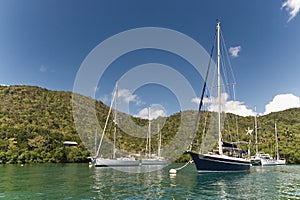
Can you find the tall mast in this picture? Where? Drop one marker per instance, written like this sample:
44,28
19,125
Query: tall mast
276,139
115,121
219,90
96,142
149,132
147,137
255,124
159,141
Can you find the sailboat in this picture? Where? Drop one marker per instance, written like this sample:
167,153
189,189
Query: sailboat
256,160
217,161
114,161
267,160
264,159
279,160
153,159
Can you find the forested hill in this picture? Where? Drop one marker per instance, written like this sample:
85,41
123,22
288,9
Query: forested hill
34,123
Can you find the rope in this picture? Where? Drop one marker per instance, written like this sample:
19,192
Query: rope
179,168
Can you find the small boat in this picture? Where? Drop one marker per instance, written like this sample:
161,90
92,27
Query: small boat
262,159
114,161
267,160
217,161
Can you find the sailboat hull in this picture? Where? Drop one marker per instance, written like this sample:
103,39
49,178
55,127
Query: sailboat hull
219,163
268,162
115,162
281,161
153,161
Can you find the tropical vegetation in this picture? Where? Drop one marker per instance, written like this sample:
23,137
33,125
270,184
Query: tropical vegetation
35,123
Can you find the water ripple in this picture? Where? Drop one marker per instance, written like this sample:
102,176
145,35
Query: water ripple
78,181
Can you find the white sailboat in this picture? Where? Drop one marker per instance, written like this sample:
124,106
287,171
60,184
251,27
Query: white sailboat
257,159
267,160
153,159
114,161
218,161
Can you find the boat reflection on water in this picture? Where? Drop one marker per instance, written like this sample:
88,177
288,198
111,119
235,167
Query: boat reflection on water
136,169
203,186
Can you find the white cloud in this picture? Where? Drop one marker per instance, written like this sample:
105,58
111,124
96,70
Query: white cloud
234,51
195,100
238,108
4,85
155,112
126,96
228,106
293,7
282,102
43,68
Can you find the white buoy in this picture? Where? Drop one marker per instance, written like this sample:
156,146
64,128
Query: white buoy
172,171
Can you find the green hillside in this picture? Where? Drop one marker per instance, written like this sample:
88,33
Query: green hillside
34,123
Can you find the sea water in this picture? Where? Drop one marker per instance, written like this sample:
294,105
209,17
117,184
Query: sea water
79,181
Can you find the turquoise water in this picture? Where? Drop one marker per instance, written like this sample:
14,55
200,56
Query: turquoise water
78,181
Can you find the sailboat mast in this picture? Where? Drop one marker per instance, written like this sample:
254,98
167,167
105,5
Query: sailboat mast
159,140
149,132
115,121
276,139
255,124
219,90
96,142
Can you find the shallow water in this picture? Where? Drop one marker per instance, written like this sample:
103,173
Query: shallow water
78,181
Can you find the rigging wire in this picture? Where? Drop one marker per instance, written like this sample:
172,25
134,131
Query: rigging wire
202,94
173,171
233,81
106,122
228,59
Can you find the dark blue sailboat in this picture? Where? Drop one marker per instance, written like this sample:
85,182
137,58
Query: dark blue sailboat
217,161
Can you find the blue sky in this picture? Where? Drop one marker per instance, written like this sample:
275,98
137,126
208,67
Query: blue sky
45,43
